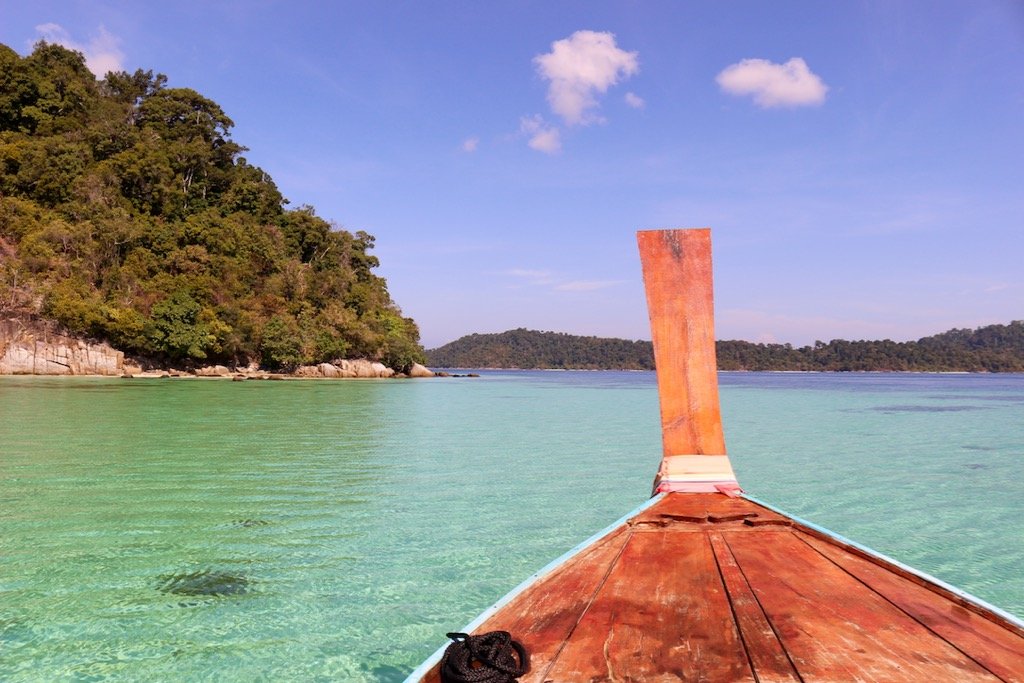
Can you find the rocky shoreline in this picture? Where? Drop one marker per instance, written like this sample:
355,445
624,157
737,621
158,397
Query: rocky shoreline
341,369
37,349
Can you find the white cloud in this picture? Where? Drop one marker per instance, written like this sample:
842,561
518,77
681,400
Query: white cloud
102,53
543,138
579,68
635,100
470,144
774,85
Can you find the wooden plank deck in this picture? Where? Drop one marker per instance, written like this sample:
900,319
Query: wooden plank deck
704,587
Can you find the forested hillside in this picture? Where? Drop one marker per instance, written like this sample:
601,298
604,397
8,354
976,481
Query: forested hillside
995,348
530,349
128,214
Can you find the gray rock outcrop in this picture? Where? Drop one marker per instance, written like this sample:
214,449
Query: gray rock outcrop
418,370
213,371
346,368
36,350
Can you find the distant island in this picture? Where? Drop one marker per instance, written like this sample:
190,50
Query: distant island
994,348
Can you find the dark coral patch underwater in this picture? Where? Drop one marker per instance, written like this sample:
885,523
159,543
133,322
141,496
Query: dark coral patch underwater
204,583
250,523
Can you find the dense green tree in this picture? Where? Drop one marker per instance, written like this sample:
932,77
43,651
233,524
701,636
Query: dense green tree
128,214
281,346
18,90
182,329
64,93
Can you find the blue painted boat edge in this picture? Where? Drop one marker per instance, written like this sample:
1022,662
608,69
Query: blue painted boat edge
960,593
429,663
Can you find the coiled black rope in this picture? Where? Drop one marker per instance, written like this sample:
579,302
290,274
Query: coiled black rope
486,658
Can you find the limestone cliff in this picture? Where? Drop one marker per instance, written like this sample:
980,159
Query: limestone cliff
27,349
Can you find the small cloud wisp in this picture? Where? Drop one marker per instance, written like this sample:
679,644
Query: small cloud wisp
102,53
586,285
545,278
635,101
543,137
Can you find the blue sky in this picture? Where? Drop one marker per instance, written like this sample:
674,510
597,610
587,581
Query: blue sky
861,164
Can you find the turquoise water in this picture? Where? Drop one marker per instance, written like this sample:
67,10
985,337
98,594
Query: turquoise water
188,530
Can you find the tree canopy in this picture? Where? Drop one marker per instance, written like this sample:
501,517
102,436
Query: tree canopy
128,214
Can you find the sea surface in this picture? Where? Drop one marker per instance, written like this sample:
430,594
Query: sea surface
206,530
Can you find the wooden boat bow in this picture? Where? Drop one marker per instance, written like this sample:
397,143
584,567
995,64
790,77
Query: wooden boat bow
701,583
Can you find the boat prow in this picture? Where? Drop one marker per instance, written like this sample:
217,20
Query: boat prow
708,587
703,583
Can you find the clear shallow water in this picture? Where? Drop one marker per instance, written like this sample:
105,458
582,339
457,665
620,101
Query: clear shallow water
208,530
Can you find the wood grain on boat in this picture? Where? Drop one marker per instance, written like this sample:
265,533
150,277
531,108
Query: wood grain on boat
680,301
704,587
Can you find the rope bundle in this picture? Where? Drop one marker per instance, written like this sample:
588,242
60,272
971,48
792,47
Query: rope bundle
487,658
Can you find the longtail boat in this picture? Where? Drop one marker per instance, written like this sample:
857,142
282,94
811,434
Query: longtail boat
704,583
